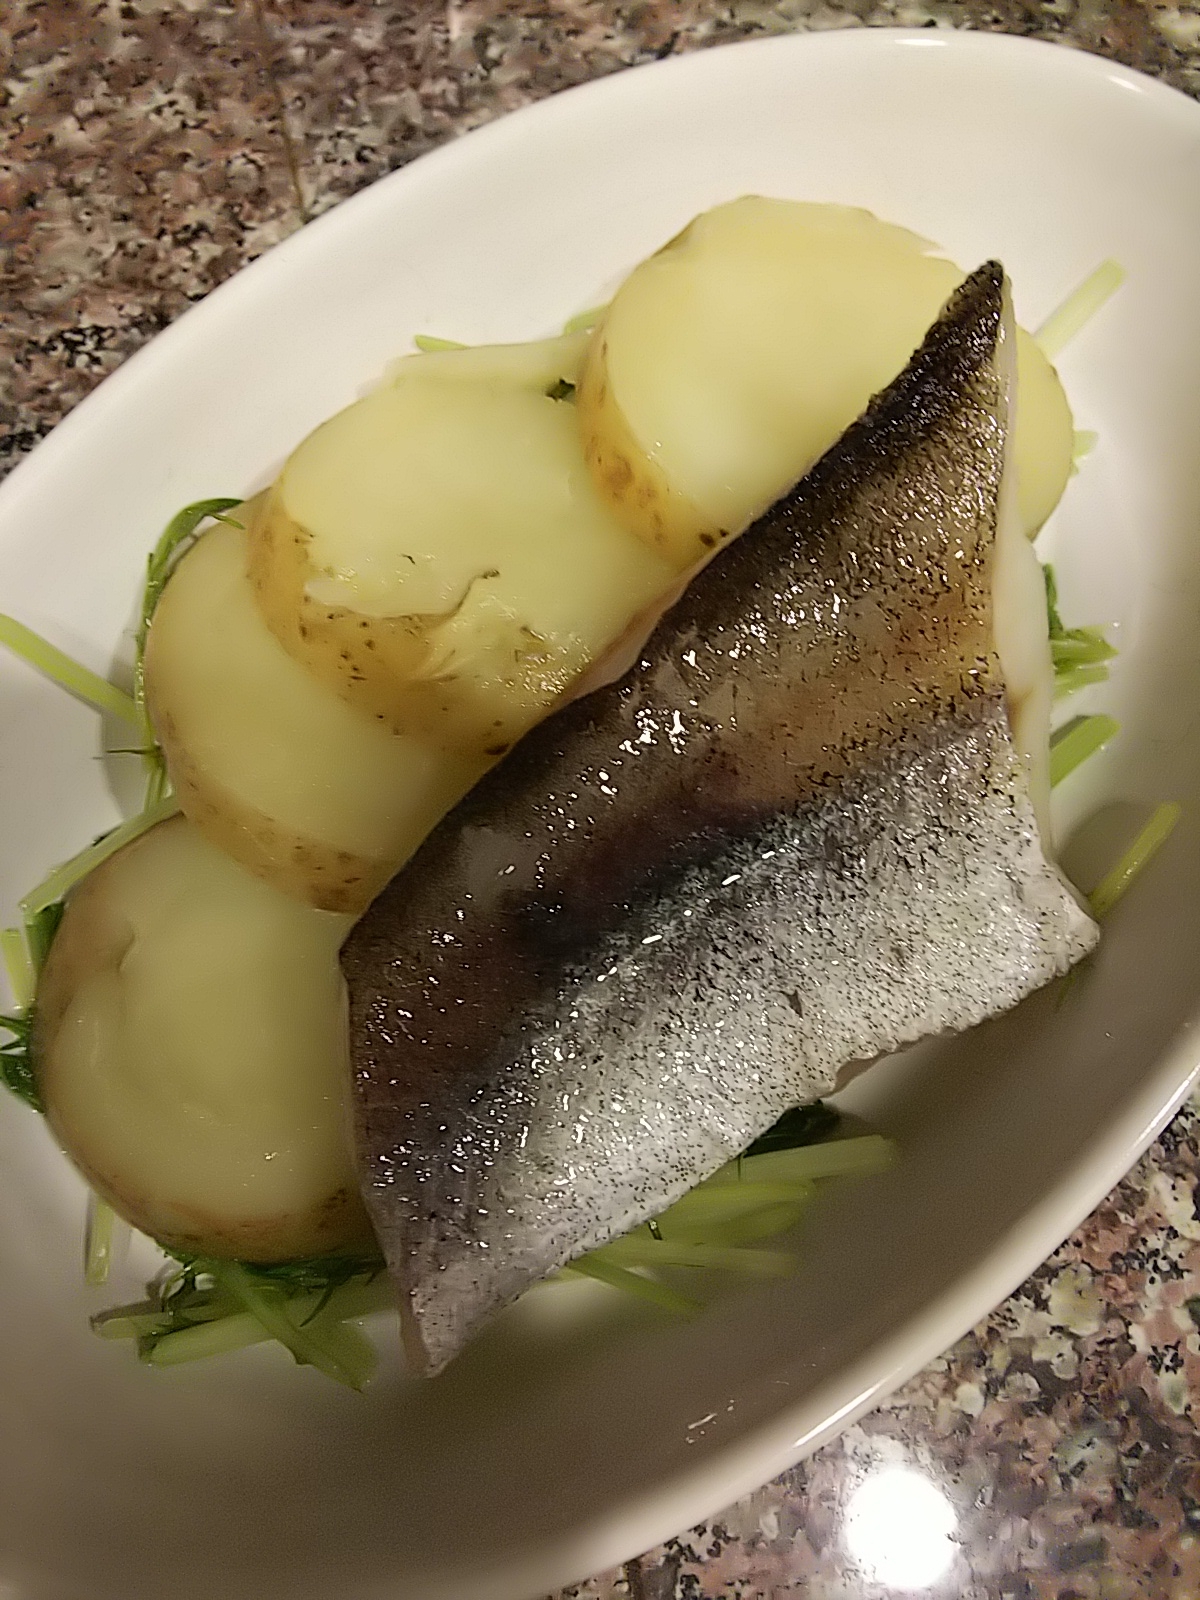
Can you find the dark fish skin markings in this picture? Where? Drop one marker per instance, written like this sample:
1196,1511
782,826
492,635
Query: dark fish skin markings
662,911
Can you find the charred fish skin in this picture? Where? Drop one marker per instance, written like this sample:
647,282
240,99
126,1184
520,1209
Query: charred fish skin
794,837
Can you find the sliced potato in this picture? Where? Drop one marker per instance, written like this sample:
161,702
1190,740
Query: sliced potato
190,1050
1043,435
278,771
730,361
437,553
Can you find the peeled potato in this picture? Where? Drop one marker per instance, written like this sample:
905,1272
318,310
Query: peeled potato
190,1051
438,554
729,362
268,762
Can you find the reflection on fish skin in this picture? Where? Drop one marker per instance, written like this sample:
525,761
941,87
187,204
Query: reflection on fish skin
795,836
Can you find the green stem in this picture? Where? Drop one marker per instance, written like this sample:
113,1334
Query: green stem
1085,442
1073,679
632,1251
319,1343
1072,744
216,1338
98,1242
583,320
1144,847
604,1271
870,1153
428,342
1080,306
69,674
721,1202
749,1228
22,979
349,1346
125,1324
1081,647
63,878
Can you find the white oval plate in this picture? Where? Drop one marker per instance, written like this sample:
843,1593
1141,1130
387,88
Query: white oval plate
576,1434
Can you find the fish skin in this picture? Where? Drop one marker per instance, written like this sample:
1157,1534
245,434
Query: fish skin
795,836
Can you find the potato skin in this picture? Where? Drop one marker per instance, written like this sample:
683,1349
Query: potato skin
308,869
88,938
95,938
732,358
268,761
631,481
438,555
339,1225
362,657
389,668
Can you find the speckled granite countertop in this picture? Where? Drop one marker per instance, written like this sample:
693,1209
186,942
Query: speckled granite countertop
147,150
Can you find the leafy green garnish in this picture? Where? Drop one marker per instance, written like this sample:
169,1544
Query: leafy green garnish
207,1307
1080,655
805,1164
16,1061
1076,678
721,1223
25,951
321,1275
313,1337
1055,621
79,680
174,542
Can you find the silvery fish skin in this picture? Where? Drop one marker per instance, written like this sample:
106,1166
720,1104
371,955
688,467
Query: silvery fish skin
795,836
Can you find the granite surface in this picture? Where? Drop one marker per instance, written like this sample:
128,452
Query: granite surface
148,148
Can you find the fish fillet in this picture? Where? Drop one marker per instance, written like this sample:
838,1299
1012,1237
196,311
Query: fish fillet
795,836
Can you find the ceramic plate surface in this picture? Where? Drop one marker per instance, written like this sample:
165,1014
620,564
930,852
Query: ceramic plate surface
577,1432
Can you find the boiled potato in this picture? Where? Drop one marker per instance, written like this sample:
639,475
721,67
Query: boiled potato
438,554
268,762
730,361
190,1050
1043,436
